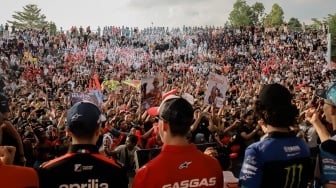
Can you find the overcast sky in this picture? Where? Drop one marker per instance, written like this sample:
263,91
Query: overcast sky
143,13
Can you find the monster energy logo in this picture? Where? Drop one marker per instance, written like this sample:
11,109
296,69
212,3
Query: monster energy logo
294,173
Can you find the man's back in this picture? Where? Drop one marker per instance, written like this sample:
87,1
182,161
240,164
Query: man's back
180,166
82,169
280,160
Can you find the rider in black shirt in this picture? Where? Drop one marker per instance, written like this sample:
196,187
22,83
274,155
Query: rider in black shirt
83,166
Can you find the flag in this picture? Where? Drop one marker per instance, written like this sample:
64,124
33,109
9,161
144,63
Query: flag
132,83
96,81
171,92
111,84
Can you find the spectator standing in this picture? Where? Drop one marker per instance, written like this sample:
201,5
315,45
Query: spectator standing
154,142
10,135
281,159
83,164
328,141
179,162
106,147
125,154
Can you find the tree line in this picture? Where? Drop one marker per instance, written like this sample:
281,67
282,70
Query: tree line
241,15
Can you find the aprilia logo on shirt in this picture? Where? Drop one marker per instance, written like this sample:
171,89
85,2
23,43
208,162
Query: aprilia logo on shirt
92,183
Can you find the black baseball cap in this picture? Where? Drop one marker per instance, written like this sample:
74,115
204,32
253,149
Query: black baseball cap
176,111
86,115
329,93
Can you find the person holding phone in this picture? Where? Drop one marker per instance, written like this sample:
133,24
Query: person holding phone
327,152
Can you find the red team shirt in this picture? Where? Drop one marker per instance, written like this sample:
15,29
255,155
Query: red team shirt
180,166
12,176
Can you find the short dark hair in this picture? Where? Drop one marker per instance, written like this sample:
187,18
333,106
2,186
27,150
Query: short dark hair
133,138
275,107
179,115
81,131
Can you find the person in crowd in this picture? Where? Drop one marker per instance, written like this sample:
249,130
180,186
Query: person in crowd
308,132
83,164
124,154
29,140
248,132
106,147
281,159
200,129
43,147
154,142
327,147
40,72
10,135
183,163
155,94
24,176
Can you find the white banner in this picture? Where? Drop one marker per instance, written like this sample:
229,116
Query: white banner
217,87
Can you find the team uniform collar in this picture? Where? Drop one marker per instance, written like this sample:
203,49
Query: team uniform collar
276,134
83,148
177,149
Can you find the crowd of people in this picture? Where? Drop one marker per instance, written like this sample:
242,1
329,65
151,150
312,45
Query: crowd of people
41,71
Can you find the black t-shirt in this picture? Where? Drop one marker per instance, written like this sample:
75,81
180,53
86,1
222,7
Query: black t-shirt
240,140
202,128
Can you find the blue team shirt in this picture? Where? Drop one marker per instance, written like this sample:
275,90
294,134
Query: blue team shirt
280,160
328,161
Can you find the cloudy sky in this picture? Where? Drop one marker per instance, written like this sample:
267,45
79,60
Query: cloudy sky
143,13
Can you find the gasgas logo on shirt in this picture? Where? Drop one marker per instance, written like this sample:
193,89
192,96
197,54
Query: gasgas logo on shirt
92,183
204,182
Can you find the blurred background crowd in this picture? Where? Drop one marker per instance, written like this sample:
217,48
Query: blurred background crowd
39,73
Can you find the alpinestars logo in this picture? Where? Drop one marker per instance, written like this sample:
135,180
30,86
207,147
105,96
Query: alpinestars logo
75,116
185,165
91,183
